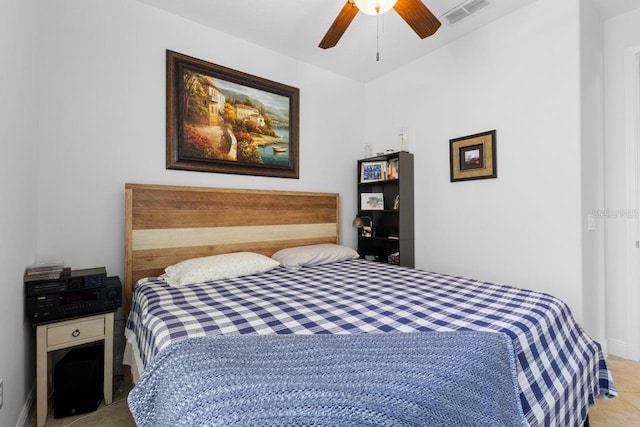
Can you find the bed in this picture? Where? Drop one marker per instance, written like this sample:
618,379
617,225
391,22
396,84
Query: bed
512,339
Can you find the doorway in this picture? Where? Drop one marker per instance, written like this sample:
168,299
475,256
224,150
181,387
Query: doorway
632,143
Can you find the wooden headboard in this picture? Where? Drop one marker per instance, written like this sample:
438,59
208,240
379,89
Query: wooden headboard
168,224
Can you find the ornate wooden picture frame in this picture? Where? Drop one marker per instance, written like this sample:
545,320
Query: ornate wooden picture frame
226,121
473,157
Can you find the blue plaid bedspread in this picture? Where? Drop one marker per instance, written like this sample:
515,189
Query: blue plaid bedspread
396,379
560,369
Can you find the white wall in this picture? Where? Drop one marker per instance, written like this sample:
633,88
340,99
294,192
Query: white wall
520,76
18,198
620,33
592,165
103,121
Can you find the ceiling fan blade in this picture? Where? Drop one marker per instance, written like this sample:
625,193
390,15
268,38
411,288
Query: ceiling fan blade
418,16
339,26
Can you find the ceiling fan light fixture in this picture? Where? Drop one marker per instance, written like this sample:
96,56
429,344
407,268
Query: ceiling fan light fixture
375,7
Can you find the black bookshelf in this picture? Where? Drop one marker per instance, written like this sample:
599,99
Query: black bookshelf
392,227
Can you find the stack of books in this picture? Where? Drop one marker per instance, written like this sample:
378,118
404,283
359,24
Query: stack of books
48,271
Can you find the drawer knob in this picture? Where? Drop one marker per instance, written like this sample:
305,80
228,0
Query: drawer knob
75,333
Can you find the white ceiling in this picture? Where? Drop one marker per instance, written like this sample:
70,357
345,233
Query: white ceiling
295,27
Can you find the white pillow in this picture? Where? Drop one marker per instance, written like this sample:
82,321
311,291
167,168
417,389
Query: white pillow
217,267
303,256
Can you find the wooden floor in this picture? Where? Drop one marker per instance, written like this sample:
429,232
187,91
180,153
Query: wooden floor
623,411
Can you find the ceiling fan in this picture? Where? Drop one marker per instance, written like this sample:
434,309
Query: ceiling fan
414,12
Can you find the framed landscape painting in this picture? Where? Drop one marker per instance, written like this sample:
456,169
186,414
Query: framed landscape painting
227,121
473,157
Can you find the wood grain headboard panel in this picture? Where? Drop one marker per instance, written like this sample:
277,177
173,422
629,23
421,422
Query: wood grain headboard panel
168,224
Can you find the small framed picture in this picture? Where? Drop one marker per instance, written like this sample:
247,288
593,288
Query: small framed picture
371,201
372,171
473,157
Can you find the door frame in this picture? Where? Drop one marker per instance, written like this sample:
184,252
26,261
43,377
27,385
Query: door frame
632,146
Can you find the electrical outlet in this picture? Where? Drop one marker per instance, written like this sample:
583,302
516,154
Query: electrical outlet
1,391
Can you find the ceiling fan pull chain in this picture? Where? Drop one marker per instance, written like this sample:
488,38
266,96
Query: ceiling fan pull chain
378,36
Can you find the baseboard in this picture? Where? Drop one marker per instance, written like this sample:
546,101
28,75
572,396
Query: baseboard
24,420
617,348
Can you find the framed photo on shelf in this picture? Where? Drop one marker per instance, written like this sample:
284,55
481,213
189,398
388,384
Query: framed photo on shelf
371,201
473,157
372,171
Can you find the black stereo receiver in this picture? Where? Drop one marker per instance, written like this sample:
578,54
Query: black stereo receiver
80,292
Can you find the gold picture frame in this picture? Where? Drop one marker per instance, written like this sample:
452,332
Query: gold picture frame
473,157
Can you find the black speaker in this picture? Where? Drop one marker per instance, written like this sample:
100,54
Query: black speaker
77,381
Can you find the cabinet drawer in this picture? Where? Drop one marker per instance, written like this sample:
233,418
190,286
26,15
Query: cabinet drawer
74,332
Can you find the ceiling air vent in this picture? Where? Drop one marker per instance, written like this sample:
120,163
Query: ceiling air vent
463,10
